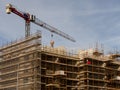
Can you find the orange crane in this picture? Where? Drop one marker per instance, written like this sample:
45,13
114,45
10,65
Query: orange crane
32,18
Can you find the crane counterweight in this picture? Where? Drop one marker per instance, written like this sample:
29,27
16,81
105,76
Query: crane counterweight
8,10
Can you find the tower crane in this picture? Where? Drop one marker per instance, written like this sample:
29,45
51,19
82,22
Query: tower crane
32,18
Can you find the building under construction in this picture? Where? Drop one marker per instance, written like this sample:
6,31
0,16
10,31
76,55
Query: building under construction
26,64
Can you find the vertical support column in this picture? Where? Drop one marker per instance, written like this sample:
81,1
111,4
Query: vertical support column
35,70
40,68
17,78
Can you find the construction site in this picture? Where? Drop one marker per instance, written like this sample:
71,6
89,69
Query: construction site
26,64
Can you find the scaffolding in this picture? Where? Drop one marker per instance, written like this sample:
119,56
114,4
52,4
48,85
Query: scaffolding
98,72
18,64
26,64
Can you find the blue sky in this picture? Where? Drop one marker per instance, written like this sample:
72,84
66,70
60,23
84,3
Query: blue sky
88,21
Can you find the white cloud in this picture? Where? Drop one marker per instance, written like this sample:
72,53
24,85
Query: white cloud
97,11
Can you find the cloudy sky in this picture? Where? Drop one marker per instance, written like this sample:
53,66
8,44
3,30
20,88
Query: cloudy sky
87,21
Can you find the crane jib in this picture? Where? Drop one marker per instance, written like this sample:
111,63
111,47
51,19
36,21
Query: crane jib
31,18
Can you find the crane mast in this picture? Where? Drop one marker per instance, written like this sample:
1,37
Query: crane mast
31,18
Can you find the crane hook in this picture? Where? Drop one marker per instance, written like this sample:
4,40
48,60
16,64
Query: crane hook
52,41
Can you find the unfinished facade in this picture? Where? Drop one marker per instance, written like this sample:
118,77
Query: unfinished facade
99,72
28,65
